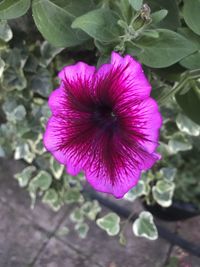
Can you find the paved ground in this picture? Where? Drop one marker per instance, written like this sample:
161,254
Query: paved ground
28,238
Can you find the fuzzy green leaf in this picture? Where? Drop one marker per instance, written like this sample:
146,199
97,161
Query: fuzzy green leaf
101,24
191,14
136,4
10,9
54,18
165,50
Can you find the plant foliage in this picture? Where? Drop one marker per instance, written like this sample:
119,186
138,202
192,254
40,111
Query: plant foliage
162,35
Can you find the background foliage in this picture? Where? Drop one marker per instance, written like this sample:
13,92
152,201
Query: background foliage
163,35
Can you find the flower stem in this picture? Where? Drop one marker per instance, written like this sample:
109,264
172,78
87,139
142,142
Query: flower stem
185,78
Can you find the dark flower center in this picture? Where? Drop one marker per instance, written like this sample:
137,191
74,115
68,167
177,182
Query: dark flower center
105,117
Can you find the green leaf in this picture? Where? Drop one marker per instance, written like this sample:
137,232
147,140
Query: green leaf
82,229
190,103
179,143
136,4
48,52
54,18
168,173
15,58
56,168
163,192
14,79
17,114
91,209
151,33
41,82
42,181
136,191
190,35
52,199
144,226
187,126
172,20
24,176
192,61
2,65
124,9
10,9
110,223
165,50
31,64
37,145
50,196
72,196
77,215
5,31
191,14
101,24
63,231
23,152
158,16
2,152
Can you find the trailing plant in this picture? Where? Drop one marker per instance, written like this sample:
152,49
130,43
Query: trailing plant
162,35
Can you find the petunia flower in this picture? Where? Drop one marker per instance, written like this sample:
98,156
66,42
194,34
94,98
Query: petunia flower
104,123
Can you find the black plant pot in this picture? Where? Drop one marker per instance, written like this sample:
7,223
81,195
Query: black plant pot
177,211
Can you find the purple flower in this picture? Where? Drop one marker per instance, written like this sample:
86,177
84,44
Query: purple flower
104,123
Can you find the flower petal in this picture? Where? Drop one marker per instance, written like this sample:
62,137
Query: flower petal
147,122
124,182
57,101
134,77
104,123
52,137
79,70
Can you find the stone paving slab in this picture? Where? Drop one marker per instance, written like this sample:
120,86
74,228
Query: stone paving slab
190,229
19,241
184,259
25,233
57,254
18,198
104,250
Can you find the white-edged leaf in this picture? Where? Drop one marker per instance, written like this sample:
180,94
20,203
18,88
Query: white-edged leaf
163,192
168,173
179,143
24,176
42,180
136,191
56,168
2,65
77,215
82,229
110,223
5,31
144,226
186,125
